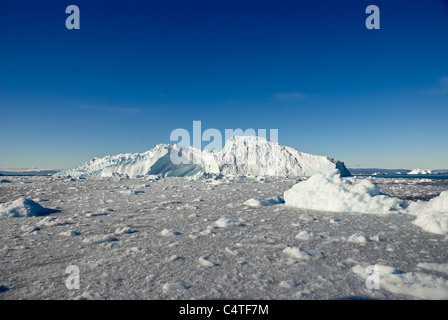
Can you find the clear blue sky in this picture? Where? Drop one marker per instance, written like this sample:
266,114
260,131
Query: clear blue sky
136,70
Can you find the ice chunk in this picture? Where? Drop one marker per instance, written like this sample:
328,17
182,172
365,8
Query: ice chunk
169,233
100,239
174,286
358,238
21,207
203,261
305,235
302,254
51,222
225,223
260,202
329,192
287,284
69,233
432,215
419,285
123,230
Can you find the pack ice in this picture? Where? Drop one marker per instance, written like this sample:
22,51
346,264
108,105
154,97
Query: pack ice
241,155
181,239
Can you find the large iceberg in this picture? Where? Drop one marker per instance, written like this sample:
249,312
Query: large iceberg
241,155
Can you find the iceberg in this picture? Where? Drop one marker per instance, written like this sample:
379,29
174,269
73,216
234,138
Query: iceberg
420,171
241,155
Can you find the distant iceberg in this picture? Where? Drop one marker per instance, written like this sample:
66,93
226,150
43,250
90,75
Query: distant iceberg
241,155
420,171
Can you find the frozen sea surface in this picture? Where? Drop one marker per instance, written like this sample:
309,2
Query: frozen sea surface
176,238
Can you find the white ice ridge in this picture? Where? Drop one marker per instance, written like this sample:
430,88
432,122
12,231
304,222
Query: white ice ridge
241,155
329,192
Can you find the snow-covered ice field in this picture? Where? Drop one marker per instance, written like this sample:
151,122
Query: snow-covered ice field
231,238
